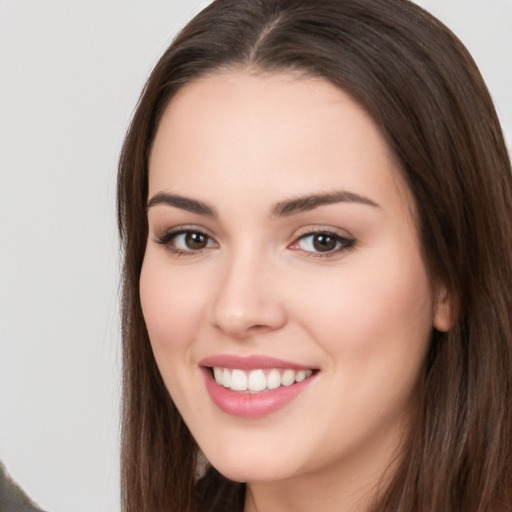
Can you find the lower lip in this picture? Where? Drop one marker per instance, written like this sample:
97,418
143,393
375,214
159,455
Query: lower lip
252,405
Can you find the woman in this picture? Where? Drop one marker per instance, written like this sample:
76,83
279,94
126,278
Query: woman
315,201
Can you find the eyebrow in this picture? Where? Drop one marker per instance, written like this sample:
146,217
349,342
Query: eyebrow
281,209
309,202
184,203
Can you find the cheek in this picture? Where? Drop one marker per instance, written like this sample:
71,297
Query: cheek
379,310
171,306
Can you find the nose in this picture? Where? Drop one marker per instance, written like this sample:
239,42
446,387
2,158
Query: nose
247,299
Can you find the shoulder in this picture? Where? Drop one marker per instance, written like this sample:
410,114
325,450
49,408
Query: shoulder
12,497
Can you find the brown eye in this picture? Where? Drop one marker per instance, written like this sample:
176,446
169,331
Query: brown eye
186,241
196,241
324,243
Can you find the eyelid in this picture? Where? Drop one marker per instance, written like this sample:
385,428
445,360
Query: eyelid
180,228
169,235
322,228
345,240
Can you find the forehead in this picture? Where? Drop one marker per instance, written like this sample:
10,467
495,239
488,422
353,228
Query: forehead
278,134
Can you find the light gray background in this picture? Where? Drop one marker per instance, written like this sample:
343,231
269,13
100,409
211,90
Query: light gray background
70,74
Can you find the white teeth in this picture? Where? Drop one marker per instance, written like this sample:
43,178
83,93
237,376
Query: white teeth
218,374
273,379
300,376
258,380
238,380
226,378
288,378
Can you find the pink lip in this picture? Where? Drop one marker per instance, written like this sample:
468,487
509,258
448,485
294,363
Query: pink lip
249,362
251,405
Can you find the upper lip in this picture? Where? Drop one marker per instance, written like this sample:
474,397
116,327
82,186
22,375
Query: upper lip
253,362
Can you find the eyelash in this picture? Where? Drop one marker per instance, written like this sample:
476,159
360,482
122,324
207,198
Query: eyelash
342,243
168,239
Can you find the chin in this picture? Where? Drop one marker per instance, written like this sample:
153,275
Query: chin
244,468
245,474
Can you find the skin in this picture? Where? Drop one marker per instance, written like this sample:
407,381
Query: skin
361,313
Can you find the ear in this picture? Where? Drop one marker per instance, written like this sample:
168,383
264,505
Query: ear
444,312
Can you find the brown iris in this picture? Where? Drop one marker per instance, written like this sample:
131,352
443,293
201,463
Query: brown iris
196,241
324,242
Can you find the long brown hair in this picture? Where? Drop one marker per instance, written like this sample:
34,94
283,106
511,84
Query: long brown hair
424,91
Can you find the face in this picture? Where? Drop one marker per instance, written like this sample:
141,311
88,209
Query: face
283,288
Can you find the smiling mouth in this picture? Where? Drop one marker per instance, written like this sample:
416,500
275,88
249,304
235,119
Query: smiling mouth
256,381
